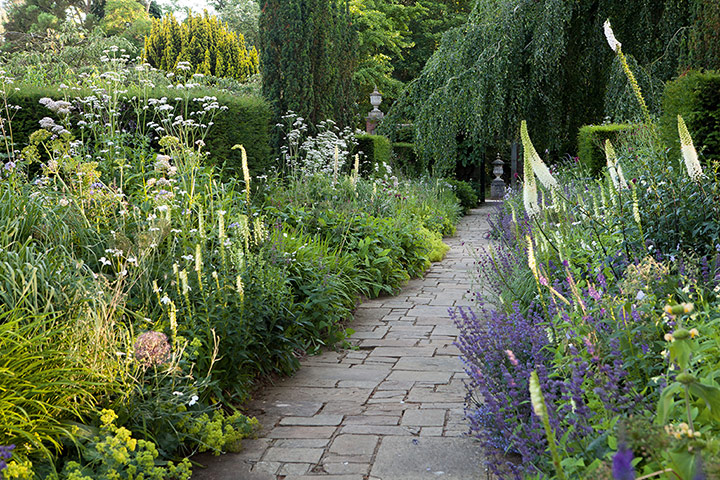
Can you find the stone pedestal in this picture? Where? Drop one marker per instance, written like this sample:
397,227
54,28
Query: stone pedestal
497,187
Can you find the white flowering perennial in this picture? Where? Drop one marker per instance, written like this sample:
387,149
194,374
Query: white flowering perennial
610,36
530,190
538,166
688,151
532,263
533,165
616,173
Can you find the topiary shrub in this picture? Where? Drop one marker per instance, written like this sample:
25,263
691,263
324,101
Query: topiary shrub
591,138
377,150
695,96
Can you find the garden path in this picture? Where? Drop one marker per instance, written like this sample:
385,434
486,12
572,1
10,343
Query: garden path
392,409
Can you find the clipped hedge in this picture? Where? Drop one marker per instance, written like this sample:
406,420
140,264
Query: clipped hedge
246,121
405,158
591,152
377,150
695,96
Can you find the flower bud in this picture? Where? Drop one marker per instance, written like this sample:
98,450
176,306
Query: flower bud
681,334
685,378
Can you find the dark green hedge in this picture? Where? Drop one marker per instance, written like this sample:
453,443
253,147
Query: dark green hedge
695,96
591,140
405,158
376,149
245,122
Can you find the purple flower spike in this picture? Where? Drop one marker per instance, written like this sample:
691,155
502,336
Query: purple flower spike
622,468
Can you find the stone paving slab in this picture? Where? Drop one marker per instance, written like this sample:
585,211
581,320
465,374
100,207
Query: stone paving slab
402,458
390,408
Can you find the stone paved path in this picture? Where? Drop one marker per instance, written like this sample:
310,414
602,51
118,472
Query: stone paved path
390,410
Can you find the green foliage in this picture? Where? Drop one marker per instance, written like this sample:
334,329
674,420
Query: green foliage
377,150
245,121
465,193
30,23
241,16
71,54
127,18
308,59
591,144
696,97
45,385
430,19
546,62
703,45
219,433
383,36
203,44
405,158
114,453
138,279
634,261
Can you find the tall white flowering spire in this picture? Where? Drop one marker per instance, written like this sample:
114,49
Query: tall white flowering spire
688,150
612,41
617,48
616,175
530,189
538,166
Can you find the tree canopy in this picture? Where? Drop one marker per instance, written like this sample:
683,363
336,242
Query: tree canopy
545,61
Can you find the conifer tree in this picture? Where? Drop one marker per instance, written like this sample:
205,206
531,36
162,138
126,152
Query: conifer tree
204,42
308,56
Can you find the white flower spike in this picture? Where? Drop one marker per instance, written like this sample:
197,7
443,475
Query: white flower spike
688,150
530,191
616,175
538,166
612,41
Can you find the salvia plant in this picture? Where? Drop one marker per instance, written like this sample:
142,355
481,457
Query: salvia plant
593,338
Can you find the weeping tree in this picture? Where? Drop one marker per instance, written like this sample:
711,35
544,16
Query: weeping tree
307,58
544,61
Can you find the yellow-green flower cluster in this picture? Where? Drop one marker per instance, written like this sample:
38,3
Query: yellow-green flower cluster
121,457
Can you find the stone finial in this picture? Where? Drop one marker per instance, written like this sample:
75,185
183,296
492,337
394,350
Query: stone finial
497,187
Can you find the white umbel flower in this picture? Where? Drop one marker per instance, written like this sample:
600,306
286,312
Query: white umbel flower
612,41
616,175
688,151
538,166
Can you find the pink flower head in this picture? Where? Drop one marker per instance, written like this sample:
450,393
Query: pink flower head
152,349
511,357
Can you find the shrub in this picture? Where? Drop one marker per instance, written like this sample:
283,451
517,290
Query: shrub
201,44
377,150
591,139
465,193
695,96
245,121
